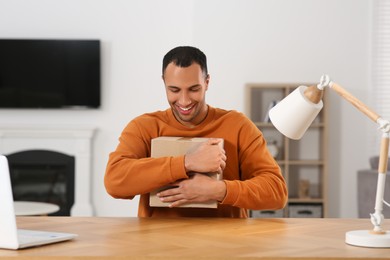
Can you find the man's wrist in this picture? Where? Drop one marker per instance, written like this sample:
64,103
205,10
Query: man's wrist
221,190
186,165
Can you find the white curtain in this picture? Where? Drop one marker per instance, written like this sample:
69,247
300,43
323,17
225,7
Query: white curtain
380,74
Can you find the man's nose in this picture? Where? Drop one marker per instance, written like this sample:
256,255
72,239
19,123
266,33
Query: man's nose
184,99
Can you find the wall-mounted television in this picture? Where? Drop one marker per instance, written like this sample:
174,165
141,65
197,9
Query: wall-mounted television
45,73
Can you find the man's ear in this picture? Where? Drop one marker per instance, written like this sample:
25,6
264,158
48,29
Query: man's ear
207,80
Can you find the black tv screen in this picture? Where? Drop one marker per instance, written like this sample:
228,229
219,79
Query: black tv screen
38,73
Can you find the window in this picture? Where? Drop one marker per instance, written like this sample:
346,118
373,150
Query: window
380,74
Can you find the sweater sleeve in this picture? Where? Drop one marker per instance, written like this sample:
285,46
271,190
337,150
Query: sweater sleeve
261,185
130,171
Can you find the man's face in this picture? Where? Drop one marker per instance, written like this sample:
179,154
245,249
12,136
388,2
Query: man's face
186,93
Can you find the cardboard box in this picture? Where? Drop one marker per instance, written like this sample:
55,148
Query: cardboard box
176,146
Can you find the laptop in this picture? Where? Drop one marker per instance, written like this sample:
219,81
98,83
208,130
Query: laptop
10,236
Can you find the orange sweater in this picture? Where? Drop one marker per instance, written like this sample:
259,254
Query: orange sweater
253,178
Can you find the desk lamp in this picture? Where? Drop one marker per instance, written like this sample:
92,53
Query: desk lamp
294,114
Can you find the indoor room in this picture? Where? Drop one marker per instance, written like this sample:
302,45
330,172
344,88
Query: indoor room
258,51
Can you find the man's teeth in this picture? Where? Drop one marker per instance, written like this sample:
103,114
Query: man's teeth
185,108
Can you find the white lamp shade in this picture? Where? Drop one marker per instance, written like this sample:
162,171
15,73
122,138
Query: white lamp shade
293,115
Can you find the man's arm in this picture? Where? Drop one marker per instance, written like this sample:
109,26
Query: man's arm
130,171
261,185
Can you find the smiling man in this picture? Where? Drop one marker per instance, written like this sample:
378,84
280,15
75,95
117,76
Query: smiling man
252,178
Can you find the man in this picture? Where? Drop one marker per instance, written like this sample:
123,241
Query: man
252,178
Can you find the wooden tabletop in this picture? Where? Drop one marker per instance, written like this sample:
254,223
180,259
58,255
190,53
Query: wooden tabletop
198,238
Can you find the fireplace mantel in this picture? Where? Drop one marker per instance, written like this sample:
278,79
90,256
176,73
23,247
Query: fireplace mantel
71,140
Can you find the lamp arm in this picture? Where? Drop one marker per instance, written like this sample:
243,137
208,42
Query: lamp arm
354,101
384,125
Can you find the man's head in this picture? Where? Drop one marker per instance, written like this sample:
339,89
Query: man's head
184,56
186,82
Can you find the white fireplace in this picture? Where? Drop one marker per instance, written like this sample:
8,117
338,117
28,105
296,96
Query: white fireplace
73,141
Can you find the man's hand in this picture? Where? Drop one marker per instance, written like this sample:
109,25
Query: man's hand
197,189
207,157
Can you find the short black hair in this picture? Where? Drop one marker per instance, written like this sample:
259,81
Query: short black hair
185,56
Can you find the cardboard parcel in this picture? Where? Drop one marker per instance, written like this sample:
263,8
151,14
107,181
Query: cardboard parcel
175,146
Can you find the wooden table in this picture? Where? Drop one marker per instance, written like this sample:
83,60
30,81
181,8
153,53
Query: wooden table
198,238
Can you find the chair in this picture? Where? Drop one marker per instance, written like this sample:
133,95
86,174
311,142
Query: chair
366,190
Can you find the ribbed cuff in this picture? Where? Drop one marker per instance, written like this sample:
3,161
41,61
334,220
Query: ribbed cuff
177,168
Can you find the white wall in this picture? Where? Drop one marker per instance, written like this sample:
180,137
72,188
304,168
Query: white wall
245,40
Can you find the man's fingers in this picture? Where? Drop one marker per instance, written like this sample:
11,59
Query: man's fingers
214,141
